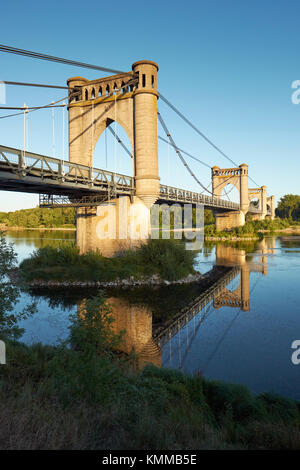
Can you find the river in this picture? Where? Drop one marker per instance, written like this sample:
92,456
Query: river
240,334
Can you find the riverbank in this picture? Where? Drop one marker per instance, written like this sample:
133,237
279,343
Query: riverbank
5,228
152,281
231,239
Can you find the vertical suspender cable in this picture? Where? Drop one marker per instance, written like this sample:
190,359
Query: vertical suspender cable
115,141
63,138
169,179
106,147
27,145
24,141
92,137
53,132
63,135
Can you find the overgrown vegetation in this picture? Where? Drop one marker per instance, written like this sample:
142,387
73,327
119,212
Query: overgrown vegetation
83,395
167,258
250,229
39,218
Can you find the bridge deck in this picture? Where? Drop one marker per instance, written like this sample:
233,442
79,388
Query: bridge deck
34,173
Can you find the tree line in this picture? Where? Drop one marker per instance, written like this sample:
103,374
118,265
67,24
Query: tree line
39,218
289,207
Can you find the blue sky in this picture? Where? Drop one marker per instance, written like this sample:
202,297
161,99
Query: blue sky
227,65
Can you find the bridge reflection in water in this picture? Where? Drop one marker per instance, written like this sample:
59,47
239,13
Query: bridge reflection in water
149,338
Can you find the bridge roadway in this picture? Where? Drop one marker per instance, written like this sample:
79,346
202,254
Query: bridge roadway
62,182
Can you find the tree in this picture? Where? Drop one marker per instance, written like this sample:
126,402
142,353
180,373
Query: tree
289,207
9,293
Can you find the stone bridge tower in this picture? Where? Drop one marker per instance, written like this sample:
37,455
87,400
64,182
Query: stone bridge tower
100,102
239,178
131,100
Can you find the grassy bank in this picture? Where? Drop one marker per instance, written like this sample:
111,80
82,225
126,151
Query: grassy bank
84,395
167,258
252,229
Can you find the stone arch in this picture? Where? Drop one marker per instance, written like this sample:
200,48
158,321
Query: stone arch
220,182
102,125
230,191
252,204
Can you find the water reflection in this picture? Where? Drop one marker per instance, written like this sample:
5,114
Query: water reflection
150,330
136,320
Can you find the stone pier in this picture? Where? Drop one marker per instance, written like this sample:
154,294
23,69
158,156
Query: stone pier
114,226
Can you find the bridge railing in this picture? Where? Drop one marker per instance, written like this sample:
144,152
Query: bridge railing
182,195
25,164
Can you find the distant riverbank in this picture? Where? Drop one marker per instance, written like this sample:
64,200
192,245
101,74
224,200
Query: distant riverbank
5,228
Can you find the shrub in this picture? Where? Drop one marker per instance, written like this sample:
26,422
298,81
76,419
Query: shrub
168,258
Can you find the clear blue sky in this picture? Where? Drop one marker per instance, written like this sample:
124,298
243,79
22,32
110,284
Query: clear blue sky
228,65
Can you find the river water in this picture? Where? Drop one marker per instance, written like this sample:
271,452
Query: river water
242,333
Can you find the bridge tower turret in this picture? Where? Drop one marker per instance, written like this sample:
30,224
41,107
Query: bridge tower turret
145,132
272,206
244,203
76,144
264,209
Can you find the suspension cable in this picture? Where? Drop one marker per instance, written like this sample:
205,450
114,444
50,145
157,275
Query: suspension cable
186,153
179,153
164,140
200,133
36,108
203,163
38,55
184,162
120,141
31,107
41,85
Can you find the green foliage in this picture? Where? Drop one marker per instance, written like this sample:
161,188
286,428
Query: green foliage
289,207
9,294
280,408
168,258
232,400
252,228
92,330
154,408
208,217
37,217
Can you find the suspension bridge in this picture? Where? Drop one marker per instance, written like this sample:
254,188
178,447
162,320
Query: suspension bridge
129,99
